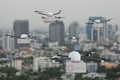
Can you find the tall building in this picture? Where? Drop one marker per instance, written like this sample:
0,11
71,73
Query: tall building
0,43
116,27
8,42
95,29
74,29
1,39
20,27
56,32
110,31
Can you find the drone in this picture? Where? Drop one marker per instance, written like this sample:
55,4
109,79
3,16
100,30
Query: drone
99,21
23,36
49,17
60,57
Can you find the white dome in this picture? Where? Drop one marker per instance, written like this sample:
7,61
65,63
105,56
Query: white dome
97,21
74,56
24,36
73,39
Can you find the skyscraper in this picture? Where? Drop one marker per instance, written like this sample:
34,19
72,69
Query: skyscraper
74,30
95,29
8,42
20,27
56,32
110,31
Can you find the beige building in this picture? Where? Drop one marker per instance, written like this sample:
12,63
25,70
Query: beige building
17,64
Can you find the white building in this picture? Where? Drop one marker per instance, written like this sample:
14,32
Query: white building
52,44
8,42
41,63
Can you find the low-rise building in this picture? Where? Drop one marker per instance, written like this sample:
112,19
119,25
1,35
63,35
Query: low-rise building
91,67
42,63
110,56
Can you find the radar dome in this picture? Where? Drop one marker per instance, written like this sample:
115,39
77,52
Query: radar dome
97,21
74,56
24,36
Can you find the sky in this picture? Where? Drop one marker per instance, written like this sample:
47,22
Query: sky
73,10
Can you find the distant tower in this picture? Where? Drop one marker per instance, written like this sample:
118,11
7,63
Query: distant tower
56,32
0,40
20,27
8,42
110,31
74,30
0,43
116,27
96,31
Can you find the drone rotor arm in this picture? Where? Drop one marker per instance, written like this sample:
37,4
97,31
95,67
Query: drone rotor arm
58,12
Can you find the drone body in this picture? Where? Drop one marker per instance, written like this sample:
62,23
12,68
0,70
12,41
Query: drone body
49,17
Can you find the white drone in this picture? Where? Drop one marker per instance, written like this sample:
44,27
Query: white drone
49,17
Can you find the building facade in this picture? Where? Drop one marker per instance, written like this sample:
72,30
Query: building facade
91,67
8,42
42,63
56,32
20,27
17,64
96,29
74,30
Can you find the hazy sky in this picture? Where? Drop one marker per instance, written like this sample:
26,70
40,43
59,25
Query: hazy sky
73,10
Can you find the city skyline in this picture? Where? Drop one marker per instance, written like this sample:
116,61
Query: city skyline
79,10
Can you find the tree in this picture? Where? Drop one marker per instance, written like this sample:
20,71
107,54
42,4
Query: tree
9,70
50,73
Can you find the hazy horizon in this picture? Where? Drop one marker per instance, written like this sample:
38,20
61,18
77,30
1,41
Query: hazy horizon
73,10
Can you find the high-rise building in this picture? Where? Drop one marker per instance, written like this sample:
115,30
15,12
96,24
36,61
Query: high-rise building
20,27
56,32
1,39
8,42
116,27
110,31
0,43
95,29
74,30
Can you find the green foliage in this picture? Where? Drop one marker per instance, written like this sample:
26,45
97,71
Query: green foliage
78,77
50,73
22,77
112,73
9,70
